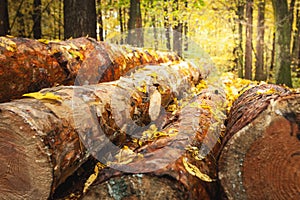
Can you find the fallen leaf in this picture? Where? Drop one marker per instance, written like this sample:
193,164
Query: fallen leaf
40,96
195,171
93,176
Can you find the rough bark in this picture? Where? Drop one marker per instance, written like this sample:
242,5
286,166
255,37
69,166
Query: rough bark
53,133
165,175
282,43
30,65
80,18
260,159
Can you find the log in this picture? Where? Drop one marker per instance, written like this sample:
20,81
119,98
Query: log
54,131
261,154
180,166
28,65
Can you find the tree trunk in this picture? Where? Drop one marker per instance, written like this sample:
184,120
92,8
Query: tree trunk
153,24
249,30
100,21
121,24
4,20
167,25
260,159
37,18
282,43
177,31
165,172
51,134
80,18
239,48
296,44
29,65
21,24
186,30
259,64
135,32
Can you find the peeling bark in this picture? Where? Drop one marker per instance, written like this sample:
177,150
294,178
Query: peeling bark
63,129
30,65
199,126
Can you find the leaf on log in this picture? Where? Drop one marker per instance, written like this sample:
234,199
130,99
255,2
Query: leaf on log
86,120
29,65
176,156
260,159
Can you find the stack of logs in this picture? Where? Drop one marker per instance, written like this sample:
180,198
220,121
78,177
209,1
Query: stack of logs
117,122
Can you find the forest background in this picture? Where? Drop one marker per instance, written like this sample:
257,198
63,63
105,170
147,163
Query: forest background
254,39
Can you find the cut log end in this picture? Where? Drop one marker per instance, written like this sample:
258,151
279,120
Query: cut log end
262,160
25,171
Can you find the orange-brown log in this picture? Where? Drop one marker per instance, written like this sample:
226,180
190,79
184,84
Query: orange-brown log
261,154
161,171
45,138
28,65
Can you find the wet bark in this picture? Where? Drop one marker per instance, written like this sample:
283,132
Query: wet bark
260,159
30,65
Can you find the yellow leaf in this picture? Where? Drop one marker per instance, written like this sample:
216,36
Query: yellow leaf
142,88
76,54
153,75
93,176
125,156
266,91
152,133
8,44
40,96
193,170
45,41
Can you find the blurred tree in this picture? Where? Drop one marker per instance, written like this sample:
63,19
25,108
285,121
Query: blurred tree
167,24
153,24
37,18
100,20
296,42
282,42
135,33
186,29
177,29
249,31
80,18
4,20
238,50
21,24
259,64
